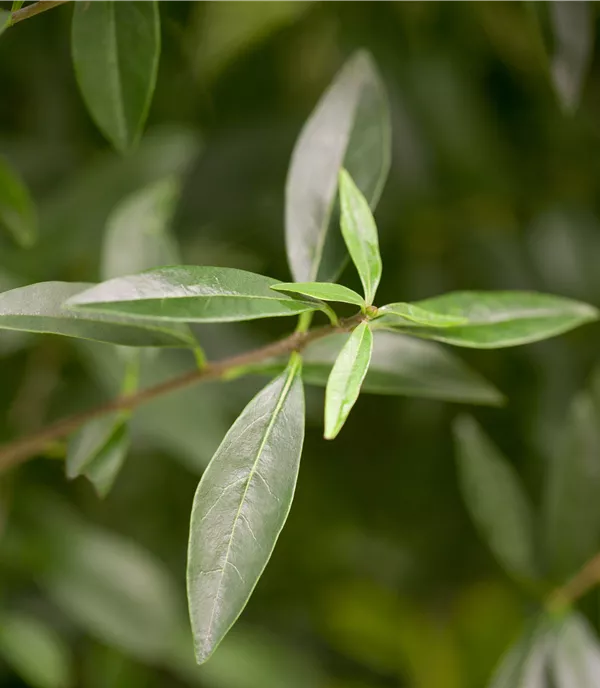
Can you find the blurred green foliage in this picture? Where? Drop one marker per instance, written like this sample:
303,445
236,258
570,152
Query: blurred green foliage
380,579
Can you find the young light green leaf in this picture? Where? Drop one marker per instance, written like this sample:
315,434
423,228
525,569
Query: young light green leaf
573,38
191,294
571,506
575,658
137,235
35,652
241,505
496,500
350,127
39,308
399,365
17,212
420,316
526,662
346,378
325,291
360,234
116,49
498,319
98,451
16,5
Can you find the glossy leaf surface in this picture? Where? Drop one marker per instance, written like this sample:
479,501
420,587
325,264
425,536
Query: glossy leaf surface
17,212
191,294
576,654
496,500
346,378
325,291
39,308
350,127
420,316
116,49
499,319
360,234
241,505
526,662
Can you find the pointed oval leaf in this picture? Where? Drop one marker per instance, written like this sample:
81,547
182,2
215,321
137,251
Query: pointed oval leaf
498,319
35,652
573,34
116,49
420,316
137,235
526,662
350,127
325,291
191,294
241,505
98,451
360,234
576,654
39,308
17,212
571,507
346,378
496,500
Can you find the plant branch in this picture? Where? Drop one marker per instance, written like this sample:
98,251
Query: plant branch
581,583
19,451
33,9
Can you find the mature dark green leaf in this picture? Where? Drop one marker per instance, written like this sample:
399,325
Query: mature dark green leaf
498,319
350,127
573,34
360,234
107,584
526,662
576,654
399,365
98,451
39,308
420,316
496,500
571,505
17,212
137,235
116,49
35,652
346,378
241,505
325,291
191,294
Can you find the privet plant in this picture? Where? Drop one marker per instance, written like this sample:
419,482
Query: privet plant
147,300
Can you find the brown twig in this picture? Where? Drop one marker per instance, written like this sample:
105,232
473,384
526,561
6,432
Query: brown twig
33,9
581,583
19,451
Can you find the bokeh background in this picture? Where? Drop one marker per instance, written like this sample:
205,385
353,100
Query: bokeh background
379,579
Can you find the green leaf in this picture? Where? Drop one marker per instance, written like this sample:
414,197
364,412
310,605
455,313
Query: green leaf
346,378
573,34
360,234
420,316
400,365
241,505
35,652
17,4
116,49
576,654
496,500
571,505
4,20
17,212
325,291
350,127
191,294
526,662
98,451
137,236
498,319
38,308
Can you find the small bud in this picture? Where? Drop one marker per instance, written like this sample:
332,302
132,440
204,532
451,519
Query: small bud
371,311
